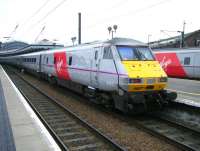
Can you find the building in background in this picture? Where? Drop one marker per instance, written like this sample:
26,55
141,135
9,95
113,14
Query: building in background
191,39
13,45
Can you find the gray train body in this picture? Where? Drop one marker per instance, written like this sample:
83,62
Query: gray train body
103,71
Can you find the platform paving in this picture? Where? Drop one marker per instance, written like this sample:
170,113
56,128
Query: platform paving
26,132
6,136
188,90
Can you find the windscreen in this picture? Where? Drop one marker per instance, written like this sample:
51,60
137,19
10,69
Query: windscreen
135,53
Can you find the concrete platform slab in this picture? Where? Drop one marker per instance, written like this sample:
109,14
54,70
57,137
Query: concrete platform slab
28,131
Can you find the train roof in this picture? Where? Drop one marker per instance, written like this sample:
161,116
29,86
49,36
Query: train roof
35,49
125,41
114,41
177,50
28,49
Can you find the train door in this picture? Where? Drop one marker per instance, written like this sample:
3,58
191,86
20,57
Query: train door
40,63
95,66
197,65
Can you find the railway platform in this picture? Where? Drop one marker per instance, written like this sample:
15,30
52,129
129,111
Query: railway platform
188,90
20,128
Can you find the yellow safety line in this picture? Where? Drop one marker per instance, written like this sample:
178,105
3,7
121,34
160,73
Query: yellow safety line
184,92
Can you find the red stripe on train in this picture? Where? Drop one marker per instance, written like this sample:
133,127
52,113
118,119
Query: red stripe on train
60,64
171,64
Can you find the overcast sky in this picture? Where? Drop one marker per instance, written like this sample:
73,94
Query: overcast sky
135,19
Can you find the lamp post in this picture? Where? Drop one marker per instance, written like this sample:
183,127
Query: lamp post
149,35
112,30
73,40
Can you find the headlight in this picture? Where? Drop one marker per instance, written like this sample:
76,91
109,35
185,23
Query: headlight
163,79
137,80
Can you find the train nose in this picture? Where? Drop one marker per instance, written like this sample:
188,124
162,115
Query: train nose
145,76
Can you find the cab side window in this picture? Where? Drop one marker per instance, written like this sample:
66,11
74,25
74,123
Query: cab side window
70,60
47,60
187,61
96,55
107,53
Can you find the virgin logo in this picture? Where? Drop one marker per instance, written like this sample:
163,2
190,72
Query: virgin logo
164,63
59,64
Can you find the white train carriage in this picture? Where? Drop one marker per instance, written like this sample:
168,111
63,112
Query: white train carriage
119,72
180,62
30,61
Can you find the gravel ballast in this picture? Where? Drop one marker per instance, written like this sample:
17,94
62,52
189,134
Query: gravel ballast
123,133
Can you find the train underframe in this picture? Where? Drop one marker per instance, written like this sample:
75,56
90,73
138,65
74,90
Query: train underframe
142,102
127,102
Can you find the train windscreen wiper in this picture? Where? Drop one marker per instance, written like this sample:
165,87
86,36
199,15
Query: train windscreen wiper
141,55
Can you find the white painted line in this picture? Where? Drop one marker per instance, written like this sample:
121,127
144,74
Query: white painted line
188,102
189,80
44,131
178,91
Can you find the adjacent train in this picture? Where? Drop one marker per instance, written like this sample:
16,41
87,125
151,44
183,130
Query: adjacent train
121,73
182,63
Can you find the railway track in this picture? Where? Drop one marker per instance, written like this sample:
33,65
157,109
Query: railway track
182,136
182,114
187,118
174,131
69,130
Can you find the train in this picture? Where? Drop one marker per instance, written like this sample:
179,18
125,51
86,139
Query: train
179,62
120,73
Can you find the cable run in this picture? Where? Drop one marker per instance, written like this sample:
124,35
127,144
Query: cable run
50,12
36,12
127,13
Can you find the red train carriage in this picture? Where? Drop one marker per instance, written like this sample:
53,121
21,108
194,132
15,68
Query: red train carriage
183,63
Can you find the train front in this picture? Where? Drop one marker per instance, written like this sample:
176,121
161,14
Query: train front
143,89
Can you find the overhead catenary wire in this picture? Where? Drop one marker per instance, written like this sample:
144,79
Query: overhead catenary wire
45,16
103,21
28,19
36,12
36,39
13,32
127,13
49,13
132,12
123,14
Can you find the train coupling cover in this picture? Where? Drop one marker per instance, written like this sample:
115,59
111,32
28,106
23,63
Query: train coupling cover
170,95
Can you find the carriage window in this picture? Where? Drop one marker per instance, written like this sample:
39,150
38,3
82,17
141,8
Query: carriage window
70,60
107,54
47,60
187,61
96,55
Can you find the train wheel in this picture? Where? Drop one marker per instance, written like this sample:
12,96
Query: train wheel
52,80
168,96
